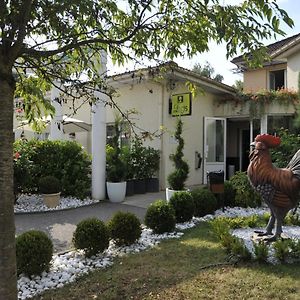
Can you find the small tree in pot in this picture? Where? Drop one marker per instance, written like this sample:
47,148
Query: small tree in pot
152,167
115,168
177,178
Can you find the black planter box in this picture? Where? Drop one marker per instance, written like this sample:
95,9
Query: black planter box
139,186
130,187
152,185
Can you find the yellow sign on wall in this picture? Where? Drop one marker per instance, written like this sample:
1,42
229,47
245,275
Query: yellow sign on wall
181,104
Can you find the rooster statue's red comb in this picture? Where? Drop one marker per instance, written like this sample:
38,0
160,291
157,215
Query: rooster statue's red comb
270,141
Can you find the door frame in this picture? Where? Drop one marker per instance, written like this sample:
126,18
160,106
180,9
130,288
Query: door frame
213,166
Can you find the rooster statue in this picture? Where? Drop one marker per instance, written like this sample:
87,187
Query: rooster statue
279,188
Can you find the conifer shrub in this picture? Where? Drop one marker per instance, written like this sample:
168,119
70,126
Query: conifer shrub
205,202
160,217
125,228
92,236
34,251
184,206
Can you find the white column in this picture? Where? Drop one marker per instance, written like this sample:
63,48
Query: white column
264,124
99,139
56,126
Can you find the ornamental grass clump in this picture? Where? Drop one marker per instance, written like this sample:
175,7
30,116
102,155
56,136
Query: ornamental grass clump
125,228
183,205
160,217
34,251
261,252
205,202
92,236
282,250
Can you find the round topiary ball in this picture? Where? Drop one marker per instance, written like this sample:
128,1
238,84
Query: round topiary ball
124,228
205,202
34,251
160,217
92,236
184,206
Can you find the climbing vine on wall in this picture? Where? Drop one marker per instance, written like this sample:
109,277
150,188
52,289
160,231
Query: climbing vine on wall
260,100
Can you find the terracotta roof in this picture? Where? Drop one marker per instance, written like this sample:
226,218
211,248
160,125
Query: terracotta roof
272,48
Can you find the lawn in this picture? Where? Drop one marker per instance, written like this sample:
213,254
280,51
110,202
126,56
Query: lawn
178,269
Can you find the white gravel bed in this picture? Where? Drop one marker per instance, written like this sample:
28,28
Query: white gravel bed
34,203
65,268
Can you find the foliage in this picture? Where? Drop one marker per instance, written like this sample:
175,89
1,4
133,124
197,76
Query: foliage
261,251
258,101
160,217
115,164
229,194
294,248
92,236
49,185
126,157
245,195
290,144
239,85
240,250
207,71
205,202
152,162
73,35
178,177
183,205
125,228
138,159
65,160
292,219
34,252
282,249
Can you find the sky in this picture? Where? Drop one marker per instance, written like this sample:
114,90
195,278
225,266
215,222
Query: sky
217,54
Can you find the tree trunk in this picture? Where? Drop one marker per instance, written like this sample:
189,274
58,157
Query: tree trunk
8,281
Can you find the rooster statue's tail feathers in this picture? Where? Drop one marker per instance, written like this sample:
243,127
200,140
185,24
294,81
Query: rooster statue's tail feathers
294,164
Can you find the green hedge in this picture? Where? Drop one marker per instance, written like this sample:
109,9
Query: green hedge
65,160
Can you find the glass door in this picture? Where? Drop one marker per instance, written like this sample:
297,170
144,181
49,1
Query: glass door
214,146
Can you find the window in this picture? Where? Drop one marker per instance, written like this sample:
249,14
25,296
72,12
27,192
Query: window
125,134
277,79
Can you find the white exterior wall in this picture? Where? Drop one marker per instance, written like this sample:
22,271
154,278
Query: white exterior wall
293,68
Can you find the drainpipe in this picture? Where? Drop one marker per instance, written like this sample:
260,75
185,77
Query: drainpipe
99,138
161,123
56,125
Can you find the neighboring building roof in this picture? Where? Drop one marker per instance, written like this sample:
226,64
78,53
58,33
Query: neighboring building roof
172,70
274,49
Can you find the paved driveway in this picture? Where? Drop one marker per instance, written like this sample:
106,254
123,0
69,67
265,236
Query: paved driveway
60,225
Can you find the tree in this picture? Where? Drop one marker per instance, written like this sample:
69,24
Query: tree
207,71
239,85
61,40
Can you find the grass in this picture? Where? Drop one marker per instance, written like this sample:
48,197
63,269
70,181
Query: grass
174,270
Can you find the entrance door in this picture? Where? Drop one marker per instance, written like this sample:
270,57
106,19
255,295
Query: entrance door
214,146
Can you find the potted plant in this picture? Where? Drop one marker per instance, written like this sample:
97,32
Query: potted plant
139,166
116,168
50,187
177,178
152,158
126,154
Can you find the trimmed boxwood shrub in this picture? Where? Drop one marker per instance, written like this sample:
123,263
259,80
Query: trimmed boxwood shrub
205,202
49,185
184,206
34,251
92,236
65,160
125,228
160,217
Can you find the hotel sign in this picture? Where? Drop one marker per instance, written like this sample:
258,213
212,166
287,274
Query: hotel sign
181,104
